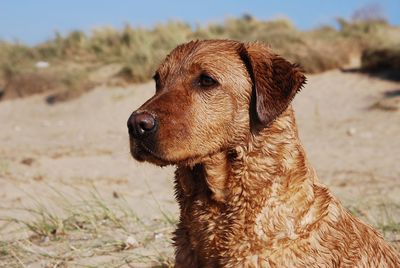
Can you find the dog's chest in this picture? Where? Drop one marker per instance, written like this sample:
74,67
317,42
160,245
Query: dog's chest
219,233
217,230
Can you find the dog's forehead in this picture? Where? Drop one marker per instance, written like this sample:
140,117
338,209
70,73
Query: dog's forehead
206,54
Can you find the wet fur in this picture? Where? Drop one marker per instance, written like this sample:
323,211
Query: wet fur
247,194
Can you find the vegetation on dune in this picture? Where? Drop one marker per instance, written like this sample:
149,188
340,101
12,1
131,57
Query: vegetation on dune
85,232
378,58
94,232
139,50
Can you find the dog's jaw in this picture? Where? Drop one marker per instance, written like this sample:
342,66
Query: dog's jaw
142,154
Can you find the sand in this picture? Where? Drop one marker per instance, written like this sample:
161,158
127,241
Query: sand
81,145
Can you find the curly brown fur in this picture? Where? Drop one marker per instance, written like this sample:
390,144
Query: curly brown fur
247,195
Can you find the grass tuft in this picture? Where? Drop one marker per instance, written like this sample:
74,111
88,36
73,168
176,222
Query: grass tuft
86,232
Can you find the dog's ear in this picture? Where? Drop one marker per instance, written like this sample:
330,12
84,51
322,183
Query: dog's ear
275,82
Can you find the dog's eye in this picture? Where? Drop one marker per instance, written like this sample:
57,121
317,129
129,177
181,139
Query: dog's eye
206,81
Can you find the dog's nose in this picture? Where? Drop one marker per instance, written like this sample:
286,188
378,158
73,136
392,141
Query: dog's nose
141,124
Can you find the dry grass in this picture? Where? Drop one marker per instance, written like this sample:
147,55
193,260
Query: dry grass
60,85
93,232
85,232
139,50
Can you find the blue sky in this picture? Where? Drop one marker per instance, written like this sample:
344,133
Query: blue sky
33,21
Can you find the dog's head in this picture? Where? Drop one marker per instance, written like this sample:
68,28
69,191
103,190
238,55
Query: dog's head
210,95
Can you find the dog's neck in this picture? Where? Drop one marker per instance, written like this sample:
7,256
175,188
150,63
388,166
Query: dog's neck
266,162
265,172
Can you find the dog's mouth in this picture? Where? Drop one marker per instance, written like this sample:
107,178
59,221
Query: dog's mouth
142,153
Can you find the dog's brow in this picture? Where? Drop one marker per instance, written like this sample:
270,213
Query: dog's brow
207,69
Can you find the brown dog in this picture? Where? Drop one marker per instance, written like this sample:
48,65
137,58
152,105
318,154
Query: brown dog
248,196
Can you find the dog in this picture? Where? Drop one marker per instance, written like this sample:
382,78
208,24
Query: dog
248,196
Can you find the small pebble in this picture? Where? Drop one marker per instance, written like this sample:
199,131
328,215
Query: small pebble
158,236
131,242
351,131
